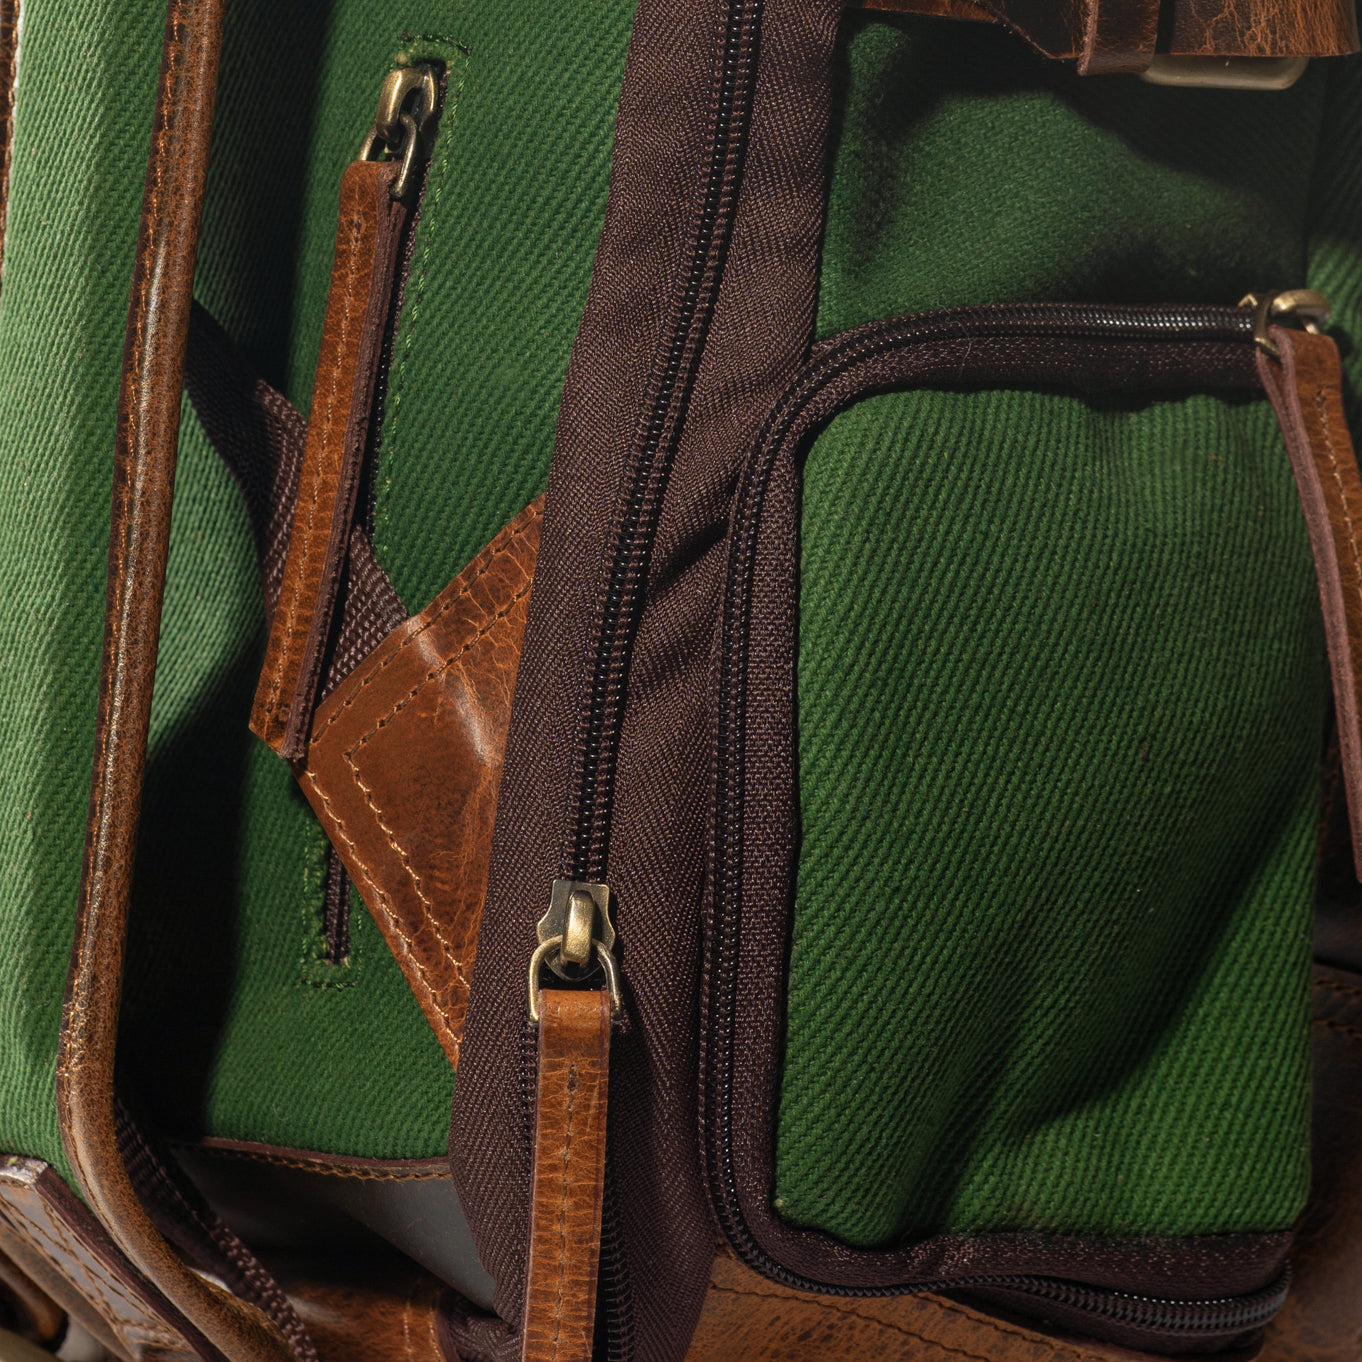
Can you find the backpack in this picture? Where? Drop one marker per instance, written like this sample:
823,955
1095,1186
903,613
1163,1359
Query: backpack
857,793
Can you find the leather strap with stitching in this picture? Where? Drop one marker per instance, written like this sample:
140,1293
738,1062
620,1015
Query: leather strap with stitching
568,1178
1306,388
144,475
362,275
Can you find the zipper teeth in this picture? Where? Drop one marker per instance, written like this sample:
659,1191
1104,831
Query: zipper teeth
1041,321
631,542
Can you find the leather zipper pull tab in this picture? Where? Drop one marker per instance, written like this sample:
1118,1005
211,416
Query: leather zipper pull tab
568,1176
373,214
1301,372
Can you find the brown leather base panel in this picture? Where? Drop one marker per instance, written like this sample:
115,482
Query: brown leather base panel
746,1317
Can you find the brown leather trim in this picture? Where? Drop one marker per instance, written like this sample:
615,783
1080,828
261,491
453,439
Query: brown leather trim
382,1314
568,1176
144,475
1118,35
1306,388
1263,28
405,763
749,1319
9,60
367,237
62,1248
330,1165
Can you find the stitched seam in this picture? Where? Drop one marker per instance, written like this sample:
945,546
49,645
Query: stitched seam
1349,989
325,424
388,832
1352,1032
60,1243
562,1212
1057,1348
367,875
416,633
406,1320
321,1169
1321,409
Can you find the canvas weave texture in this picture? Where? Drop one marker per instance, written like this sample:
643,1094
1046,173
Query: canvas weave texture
1061,680
234,1023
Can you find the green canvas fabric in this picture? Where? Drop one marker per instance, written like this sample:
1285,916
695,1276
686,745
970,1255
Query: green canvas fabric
1061,677
234,1023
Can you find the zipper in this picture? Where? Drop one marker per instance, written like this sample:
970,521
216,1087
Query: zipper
833,361
587,832
581,893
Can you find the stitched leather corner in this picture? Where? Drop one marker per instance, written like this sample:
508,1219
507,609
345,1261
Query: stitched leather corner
405,762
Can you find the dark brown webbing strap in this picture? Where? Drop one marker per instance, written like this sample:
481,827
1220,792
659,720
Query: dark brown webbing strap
144,475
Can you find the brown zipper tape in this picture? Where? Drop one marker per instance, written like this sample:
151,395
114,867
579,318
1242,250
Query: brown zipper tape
1306,388
143,484
362,276
568,1177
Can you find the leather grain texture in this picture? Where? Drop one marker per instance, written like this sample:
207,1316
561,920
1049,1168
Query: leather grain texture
568,1176
405,763
144,474
367,237
1119,35
60,1246
1306,388
749,1319
1322,1318
379,1314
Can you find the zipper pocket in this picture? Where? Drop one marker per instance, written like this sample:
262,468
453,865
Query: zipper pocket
1069,346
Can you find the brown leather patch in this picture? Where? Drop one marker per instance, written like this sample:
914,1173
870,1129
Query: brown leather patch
568,1178
1116,35
392,1314
1263,28
1306,388
749,1319
405,762
362,274
60,1246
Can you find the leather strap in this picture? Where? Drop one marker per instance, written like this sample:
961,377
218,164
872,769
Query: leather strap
367,236
568,1177
1118,35
144,476
1306,388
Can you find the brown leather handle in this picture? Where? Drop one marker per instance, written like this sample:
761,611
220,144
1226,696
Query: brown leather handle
144,476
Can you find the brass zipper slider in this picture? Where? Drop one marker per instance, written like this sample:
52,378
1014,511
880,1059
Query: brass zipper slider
1311,309
405,122
575,935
